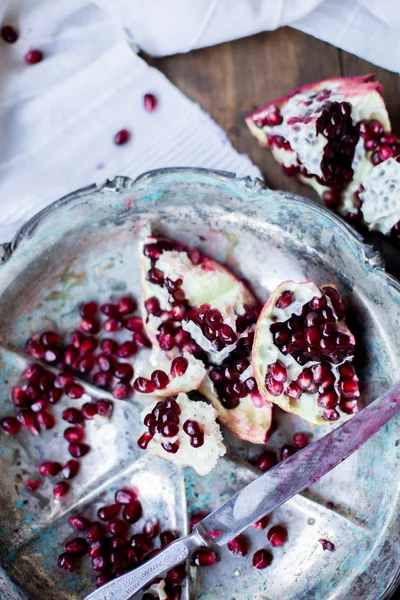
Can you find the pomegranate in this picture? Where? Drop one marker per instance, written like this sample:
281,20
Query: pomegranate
302,353
335,135
183,431
232,390
191,302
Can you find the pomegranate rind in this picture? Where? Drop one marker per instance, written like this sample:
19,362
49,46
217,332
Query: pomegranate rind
208,282
265,352
202,459
251,420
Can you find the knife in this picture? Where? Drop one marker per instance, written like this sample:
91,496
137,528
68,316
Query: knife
262,495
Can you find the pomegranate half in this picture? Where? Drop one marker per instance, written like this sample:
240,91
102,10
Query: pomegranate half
192,303
335,135
303,352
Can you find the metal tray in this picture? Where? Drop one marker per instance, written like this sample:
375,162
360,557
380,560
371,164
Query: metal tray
85,246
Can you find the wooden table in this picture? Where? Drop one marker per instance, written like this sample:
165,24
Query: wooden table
232,79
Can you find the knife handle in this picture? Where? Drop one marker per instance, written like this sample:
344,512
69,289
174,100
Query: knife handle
126,586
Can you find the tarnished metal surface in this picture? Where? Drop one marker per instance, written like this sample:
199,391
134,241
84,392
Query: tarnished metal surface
85,246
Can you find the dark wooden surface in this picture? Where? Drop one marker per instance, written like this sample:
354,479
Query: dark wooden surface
232,79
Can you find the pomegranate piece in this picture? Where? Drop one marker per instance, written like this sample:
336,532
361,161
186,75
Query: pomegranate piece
317,130
277,536
79,523
108,513
183,274
315,386
49,468
262,559
61,489
68,561
127,349
32,485
77,546
327,545
10,425
122,137
195,442
204,557
9,34
126,305
70,469
238,546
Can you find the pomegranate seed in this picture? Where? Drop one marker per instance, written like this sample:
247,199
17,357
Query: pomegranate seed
125,496
45,419
274,387
89,410
286,451
32,485
134,324
176,575
262,523
331,415
102,579
277,535
238,546
105,362
349,388
305,379
261,559
77,546
50,338
9,34
32,373
110,310
151,528
54,395
70,355
179,366
79,523
90,325
332,198
74,434
266,461
89,309
74,390
152,306
68,561
159,379
76,339
19,398
144,440
112,325
278,371
327,545
40,404
86,364
126,305
141,543
300,440
117,541
72,415
95,532
89,344
49,468
99,563
102,380
35,348
150,102
33,57
192,428
166,342
122,137
167,537
123,371
170,447
127,349
227,335
197,518
108,513
132,512
328,400
27,419
204,557
142,339
61,489
143,385
285,299
32,391
117,527
70,469
104,408
78,450
122,391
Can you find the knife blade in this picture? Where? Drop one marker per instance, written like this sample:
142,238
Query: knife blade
262,495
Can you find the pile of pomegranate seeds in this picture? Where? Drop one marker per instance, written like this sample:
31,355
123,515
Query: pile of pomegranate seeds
227,382
164,419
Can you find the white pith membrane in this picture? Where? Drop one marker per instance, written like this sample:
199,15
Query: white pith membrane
203,458
204,283
251,419
266,353
149,362
158,590
307,145
381,196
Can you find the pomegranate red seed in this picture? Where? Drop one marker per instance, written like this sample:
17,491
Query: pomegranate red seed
49,468
122,137
132,512
50,338
349,388
274,387
300,440
327,545
204,557
19,398
89,345
197,518
150,102
54,395
278,371
167,537
123,371
286,451
347,371
76,339
77,546
141,543
35,348
102,380
159,379
117,541
70,355
126,305
32,373
45,419
170,447
105,362
72,415
328,400
122,391
125,496
61,489
151,528
68,561
74,390
143,385
79,523
192,428
46,382
32,391
70,469
33,57
32,485
142,339
89,309
108,347
277,535
261,559
86,364
89,410
266,461
166,342
40,404
90,325
95,532
285,299
9,34
104,408
144,440
262,523
227,335
238,546
27,419
134,324
110,310
78,450
109,512
102,579
176,575
331,415
99,563
179,366
112,325
74,434
127,349
117,527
